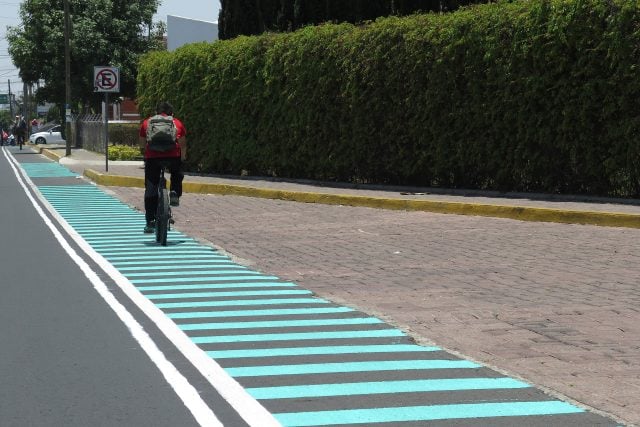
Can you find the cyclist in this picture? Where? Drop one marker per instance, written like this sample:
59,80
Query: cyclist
164,139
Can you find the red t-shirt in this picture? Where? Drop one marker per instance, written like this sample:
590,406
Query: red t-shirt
180,132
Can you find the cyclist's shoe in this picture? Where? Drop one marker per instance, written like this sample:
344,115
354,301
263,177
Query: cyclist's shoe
150,227
174,200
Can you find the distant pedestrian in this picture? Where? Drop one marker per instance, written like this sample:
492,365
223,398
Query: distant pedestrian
19,129
22,130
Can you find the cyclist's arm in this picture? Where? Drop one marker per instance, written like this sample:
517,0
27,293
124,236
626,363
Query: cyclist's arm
142,135
142,143
182,138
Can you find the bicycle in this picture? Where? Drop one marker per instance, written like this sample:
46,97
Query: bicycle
163,213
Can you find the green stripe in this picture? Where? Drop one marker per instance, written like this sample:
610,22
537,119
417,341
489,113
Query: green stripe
247,302
138,237
166,256
425,413
384,387
245,276
219,286
187,249
161,258
279,324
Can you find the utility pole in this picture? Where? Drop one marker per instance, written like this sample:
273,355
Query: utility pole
24,99
10,100
25,108
67,76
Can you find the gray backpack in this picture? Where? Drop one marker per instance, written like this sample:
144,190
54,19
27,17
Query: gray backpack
161,133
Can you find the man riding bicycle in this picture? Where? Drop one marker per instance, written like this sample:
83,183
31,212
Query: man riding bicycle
164,138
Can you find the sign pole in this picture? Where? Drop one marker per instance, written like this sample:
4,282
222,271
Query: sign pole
67,78
106,79
105,115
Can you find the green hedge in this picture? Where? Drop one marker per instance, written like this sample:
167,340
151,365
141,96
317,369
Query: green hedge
526,96
125,152
124,133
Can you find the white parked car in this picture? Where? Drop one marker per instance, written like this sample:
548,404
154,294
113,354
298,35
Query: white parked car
51,136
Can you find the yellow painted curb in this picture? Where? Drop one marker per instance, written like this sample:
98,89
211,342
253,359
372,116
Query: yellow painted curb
522,213
50,154
114,180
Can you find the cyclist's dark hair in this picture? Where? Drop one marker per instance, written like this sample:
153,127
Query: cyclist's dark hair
164,107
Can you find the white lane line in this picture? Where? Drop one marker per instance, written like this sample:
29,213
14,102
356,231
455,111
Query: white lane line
249,409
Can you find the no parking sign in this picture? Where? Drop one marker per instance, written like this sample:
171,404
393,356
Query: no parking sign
106,79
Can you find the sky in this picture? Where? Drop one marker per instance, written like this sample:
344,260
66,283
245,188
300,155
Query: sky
206,10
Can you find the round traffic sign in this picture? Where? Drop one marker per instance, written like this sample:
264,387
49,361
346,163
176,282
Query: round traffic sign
106,80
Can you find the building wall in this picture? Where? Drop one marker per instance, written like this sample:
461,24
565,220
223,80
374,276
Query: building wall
181,31
126,110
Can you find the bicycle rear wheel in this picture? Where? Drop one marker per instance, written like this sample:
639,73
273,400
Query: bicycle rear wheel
162,217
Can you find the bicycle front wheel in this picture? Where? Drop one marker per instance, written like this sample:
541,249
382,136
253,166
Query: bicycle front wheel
162,217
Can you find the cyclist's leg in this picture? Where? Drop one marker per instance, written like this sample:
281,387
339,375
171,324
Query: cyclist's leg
151,179
177,176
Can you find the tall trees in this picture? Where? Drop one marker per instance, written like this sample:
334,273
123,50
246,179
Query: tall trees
255,16
104,32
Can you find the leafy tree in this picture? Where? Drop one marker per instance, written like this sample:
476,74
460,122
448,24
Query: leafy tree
5,119
256,16
104,32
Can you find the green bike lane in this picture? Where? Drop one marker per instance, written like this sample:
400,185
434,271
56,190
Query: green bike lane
306,360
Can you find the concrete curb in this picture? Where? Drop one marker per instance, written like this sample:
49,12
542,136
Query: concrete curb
520,213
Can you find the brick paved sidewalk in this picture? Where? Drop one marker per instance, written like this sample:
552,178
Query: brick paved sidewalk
555,304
